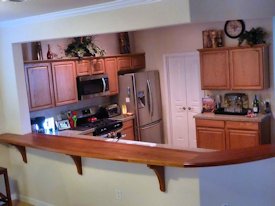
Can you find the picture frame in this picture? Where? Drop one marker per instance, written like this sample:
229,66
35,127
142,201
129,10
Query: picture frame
63,124
208,104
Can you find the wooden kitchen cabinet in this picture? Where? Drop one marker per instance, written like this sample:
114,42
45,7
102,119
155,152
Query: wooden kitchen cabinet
225,134
210,134
249,68
242,134
39,86
234,68
242,138
83,67
111,71
97,66
138,61
124,63
64,80
128,130
214,69
131,62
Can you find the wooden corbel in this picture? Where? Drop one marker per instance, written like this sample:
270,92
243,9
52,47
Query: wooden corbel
78,163
22,151
160,172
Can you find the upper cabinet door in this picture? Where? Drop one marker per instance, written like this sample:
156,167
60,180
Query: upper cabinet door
83,67
248,68
235,68
39,86
64,77
214,69
97,66
111,71
124,63
138,61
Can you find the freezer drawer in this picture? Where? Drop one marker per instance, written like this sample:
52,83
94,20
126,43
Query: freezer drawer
152,133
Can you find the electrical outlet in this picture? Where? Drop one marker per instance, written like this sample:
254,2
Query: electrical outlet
118,194
225,204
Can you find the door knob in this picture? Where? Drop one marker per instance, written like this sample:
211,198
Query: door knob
189,108
184,108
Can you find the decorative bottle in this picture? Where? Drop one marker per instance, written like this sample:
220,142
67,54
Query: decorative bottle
255,105
49,53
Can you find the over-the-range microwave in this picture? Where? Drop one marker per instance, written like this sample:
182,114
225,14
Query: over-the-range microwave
92,85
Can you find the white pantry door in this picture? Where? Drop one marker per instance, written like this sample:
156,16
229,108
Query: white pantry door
184,93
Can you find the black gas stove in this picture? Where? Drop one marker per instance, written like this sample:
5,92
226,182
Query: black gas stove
101,126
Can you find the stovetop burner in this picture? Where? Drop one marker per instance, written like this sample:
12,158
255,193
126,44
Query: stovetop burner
100,126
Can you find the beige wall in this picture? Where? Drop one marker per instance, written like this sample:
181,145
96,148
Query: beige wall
52,178
188,38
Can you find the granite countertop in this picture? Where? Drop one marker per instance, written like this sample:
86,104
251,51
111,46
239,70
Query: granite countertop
244,118
123,118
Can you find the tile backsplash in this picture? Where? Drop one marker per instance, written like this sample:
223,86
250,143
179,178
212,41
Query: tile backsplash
95,102
262,95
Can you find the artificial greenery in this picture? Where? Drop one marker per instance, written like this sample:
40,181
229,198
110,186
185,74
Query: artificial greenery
83,46
254,36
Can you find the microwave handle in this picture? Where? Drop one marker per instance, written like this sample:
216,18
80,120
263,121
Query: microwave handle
104,84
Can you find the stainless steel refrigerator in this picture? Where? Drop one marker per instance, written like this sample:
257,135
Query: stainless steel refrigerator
140,92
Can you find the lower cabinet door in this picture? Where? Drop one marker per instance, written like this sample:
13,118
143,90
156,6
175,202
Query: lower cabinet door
129,132
211,138
242,138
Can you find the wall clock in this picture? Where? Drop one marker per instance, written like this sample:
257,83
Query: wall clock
234,28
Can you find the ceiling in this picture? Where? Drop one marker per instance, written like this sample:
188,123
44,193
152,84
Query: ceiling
16,10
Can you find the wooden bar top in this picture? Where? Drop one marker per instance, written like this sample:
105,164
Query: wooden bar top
150,155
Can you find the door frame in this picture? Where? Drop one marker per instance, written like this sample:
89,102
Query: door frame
167,88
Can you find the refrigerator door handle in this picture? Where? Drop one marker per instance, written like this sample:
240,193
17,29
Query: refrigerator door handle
151,109
104,84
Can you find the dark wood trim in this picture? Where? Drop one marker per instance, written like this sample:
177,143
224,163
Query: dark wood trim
160,172
78,163
22,151
5,198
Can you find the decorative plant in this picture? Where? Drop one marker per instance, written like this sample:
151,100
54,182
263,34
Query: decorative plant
83,46
254,36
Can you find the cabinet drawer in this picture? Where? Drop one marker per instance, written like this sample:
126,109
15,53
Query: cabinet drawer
127,124
209,123
242,125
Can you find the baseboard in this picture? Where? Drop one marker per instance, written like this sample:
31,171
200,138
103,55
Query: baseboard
30,200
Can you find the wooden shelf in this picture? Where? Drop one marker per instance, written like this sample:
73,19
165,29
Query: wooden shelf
155,157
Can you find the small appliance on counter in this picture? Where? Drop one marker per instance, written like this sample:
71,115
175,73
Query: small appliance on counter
113,110
38,124
235,104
